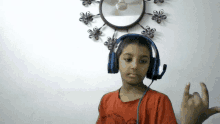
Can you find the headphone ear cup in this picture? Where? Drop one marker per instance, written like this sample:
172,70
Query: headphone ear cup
109,63
115,64
150,69
157,69
113,61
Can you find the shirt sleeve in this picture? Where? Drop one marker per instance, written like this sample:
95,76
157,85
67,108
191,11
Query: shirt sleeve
165,112
101,111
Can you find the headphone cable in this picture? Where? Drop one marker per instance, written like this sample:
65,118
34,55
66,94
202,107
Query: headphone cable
140,102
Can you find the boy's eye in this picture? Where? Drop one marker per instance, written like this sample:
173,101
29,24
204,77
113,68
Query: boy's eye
128,60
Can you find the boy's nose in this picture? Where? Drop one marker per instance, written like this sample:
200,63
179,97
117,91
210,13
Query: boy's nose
134,64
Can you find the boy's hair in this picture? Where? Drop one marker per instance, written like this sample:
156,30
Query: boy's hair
139,41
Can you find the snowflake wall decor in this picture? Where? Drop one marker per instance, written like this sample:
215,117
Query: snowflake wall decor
96,33
88,2
86,18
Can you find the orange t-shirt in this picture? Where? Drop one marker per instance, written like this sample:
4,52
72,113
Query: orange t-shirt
155,108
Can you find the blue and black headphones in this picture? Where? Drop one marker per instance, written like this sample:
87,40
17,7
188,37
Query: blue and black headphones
153,71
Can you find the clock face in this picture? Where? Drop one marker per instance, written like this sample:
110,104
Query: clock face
121,14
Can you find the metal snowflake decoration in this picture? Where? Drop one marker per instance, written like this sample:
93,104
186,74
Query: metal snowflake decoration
95,33
110,43
86,18
155,1
88,2
148,32
158,16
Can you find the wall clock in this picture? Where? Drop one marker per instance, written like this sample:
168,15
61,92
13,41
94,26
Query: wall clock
115,12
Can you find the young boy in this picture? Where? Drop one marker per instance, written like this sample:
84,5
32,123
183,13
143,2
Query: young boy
120,106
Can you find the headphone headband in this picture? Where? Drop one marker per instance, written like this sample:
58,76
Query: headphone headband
135,36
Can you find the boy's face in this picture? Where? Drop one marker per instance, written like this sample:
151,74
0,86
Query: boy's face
136,60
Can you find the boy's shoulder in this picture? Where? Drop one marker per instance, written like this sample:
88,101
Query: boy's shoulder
158,92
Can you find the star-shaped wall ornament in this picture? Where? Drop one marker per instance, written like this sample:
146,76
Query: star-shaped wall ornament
156,1
95,33
87,17
158,16
88,2
110,43
148,32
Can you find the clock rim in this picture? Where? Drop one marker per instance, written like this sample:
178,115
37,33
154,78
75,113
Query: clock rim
121,27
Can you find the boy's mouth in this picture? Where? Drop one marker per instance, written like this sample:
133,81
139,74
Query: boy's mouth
132,75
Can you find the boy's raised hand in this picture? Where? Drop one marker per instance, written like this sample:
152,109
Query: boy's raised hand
194,109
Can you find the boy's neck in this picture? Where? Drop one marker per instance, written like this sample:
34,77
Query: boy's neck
128,89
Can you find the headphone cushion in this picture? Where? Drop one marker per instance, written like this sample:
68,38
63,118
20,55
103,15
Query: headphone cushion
112,67
150,69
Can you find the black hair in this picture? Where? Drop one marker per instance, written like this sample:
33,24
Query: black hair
139,41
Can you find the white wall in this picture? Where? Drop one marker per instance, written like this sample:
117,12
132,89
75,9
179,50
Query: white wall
52,73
